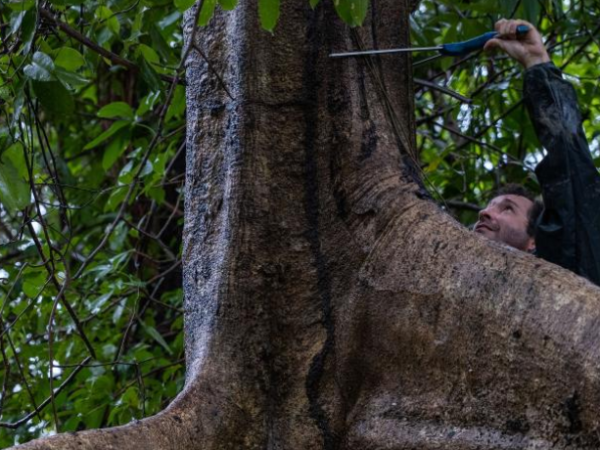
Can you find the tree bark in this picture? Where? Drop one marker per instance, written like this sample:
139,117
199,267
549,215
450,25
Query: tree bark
330,304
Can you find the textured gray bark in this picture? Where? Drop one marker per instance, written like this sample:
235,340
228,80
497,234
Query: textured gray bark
330,304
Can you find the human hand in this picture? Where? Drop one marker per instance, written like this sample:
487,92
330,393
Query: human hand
528,49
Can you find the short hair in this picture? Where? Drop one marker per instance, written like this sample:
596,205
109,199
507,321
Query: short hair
534,212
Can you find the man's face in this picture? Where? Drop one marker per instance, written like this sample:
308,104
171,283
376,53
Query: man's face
505,219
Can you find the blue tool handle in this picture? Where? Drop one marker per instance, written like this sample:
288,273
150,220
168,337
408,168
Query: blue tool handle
477,43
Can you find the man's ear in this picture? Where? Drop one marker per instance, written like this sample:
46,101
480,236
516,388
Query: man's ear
530,245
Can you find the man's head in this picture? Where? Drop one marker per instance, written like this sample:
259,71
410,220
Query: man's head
510,217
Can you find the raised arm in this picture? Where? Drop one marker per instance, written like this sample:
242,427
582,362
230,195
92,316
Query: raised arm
568,232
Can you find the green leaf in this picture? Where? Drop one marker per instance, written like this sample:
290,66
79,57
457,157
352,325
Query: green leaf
314,3
183,5
126,174
54,97
43,60
100,271
118,312
18,103
28,28
15,21
70,59
15,154
532,10
45,47
69,79
102,383
15,193
109,18
154,334
148,103
72,424
507,7
149,54
41,67
116,109
131,398
177,106
268,11
149,75
169,20
21,5
207,11
161,46
116,197
118,238
115,149
97,304
159,165
557,9
19,306
33,282
156,193
353,12
228,5
116,126
13,246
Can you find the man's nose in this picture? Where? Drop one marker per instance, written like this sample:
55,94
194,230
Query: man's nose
485,214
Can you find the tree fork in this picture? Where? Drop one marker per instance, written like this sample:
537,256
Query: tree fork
330,304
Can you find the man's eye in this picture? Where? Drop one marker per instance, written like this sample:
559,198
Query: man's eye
508,208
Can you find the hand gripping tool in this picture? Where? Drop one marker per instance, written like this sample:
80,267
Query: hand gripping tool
453,49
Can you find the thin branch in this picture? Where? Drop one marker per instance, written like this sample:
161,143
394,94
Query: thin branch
21,372
46,402
435,115
6,372
147,374
491,125
443,90
174,211
468,138
156,239
116,59
87,42
211,68
48,263
165,273
582,47
117,363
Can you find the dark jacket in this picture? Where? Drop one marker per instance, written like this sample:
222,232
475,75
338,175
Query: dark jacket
568,232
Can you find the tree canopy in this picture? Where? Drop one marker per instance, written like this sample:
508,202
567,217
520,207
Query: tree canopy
92,136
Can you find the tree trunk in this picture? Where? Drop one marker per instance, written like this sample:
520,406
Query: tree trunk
330,304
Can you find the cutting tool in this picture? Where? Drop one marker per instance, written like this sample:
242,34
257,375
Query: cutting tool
453,49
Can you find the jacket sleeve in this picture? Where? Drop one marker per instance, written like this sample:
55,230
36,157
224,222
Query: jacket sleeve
568,232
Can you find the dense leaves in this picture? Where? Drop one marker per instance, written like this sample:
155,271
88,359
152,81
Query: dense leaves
470,149
91,170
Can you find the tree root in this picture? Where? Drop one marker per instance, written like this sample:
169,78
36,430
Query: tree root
177,427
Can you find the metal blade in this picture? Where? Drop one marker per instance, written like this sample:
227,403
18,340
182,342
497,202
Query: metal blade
386,51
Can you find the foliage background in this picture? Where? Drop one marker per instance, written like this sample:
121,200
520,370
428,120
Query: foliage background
469,149
91,171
